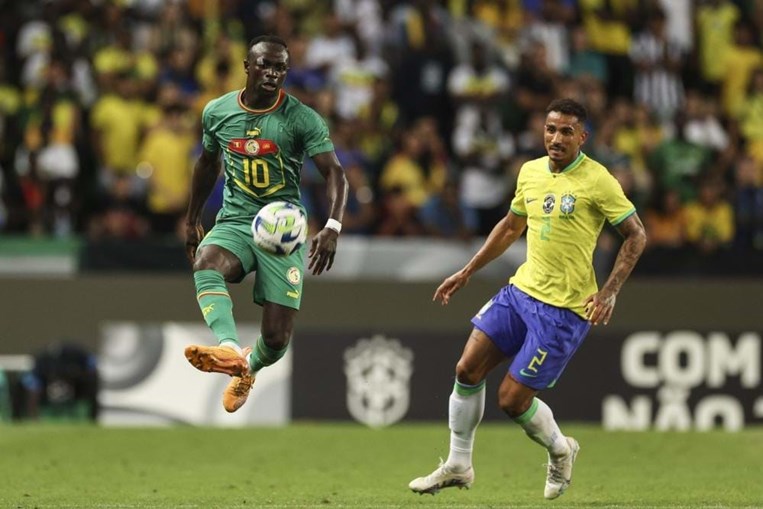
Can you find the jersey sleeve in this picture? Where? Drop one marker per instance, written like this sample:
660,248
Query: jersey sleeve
314,131
208,140
518,203
611,199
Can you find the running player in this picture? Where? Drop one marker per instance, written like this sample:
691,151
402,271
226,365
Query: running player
542,316
262,134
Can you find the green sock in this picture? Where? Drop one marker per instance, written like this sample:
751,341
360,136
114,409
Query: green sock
216,304
262,355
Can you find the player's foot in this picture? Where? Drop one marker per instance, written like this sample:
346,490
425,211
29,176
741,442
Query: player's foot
219,359
559,473
442,477
238,389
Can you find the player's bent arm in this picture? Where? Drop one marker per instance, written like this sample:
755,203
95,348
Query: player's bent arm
503,235
634,234
337,187
205,173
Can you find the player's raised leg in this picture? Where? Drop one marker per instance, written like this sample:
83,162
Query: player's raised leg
537,419
237,390
217,309
211,267
271,346
539,424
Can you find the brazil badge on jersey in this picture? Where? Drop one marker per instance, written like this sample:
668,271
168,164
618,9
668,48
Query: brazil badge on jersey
565,214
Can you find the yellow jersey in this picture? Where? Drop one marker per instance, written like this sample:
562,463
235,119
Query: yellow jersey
565,214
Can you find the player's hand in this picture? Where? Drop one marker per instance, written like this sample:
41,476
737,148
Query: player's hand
450,286
322,251
194,232
599,307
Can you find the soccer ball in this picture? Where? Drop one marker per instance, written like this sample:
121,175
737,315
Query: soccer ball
280,228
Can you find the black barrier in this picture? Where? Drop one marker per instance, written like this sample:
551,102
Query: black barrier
639,380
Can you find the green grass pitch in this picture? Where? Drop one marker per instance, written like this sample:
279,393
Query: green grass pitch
347,465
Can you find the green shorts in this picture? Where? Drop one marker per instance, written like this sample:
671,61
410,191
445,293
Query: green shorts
279,278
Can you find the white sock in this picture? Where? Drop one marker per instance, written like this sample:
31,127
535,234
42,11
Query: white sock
229,343
539,424
465,410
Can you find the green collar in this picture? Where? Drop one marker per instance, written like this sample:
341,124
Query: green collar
574,164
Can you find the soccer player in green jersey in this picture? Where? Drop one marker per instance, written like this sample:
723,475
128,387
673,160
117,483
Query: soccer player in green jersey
542,316
261,133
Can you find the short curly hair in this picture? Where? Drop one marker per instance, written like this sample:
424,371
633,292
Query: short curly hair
568,106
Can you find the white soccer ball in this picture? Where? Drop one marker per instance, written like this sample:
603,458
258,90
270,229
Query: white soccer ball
280,228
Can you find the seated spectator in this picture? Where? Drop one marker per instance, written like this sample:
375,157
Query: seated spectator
677,162
165,162
118,215
636,135
399,217
414,170
751,115
303,81
710,218
583,60
703,124
665,221
741,60
657,60
443,215
748,205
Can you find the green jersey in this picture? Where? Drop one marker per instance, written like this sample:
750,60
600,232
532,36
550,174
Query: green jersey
263,150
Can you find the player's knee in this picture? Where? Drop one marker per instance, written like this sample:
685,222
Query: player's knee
213,258
202,264
512,405
277,339
466,375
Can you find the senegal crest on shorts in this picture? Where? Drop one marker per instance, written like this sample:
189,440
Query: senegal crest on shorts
293,275
548,203
568,203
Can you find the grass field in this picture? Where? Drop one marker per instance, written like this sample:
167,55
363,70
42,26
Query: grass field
345,465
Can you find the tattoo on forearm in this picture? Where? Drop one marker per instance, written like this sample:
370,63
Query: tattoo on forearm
629,253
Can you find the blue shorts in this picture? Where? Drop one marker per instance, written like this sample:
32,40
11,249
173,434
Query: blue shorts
541,338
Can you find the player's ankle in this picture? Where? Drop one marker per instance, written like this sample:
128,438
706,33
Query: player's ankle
457,467
560,449
231,345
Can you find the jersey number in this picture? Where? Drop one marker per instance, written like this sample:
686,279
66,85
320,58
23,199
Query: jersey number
256,173
545,230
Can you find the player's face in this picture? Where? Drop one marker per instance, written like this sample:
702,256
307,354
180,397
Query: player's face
266,68
563,137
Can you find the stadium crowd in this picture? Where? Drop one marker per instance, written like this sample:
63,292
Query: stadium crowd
433,107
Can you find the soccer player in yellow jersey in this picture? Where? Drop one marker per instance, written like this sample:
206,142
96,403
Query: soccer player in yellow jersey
542,316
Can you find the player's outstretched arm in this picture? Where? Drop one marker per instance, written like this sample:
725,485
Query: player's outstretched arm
503,235
599,306
323,245
205,173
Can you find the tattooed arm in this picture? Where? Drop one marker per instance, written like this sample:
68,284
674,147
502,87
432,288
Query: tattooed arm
600,305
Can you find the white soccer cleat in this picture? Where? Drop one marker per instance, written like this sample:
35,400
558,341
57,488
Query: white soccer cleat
442,477
559,473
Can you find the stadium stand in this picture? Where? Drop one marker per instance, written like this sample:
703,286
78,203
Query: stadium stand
428,100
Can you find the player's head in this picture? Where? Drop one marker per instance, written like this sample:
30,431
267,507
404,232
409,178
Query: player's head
266,64
564,131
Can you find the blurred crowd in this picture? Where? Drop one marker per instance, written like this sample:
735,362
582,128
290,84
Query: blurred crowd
433,107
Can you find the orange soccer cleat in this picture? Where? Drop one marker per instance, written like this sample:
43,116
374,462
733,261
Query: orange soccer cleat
217,359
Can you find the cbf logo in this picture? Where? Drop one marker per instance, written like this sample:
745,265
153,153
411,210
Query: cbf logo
568,203
378,373
548,203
